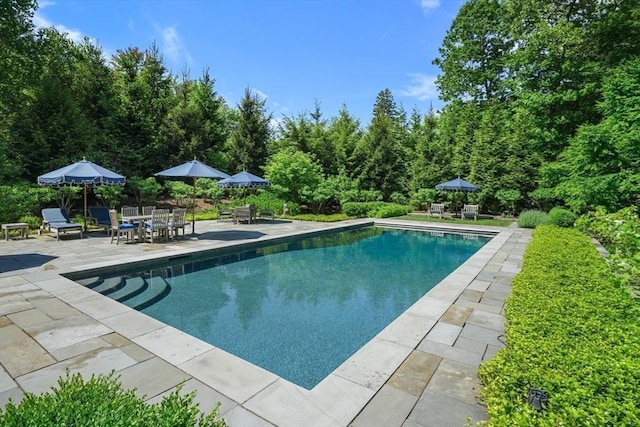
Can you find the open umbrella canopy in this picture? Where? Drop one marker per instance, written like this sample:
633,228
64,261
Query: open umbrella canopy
457,184
193,169
243,179
85,173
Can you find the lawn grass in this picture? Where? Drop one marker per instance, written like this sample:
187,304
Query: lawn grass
458,221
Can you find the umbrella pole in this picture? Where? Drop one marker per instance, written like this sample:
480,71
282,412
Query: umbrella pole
193,208
85,207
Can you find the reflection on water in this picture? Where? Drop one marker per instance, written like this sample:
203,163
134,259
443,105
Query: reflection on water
298,309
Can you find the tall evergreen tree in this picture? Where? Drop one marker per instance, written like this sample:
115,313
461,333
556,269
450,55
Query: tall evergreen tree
380,155
251,134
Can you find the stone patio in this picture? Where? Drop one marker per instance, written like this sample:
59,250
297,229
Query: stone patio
419,371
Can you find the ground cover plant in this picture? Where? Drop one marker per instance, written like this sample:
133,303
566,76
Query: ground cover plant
102,402
572,331
619,232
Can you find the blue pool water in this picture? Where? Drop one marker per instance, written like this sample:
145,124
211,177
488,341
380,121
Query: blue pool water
298,309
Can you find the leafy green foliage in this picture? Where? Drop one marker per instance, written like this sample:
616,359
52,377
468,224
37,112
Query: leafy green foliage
620,232
293,176
145,190
389,210
360,209
508,199
209,190
375,209
532,219
267,201
422,199
572,331
562,217
33,221
181,192
101,402
20,200
111,195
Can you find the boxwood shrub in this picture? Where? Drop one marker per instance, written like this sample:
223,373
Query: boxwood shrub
102,402
572,331
562,217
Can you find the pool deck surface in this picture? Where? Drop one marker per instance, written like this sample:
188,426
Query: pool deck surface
421,370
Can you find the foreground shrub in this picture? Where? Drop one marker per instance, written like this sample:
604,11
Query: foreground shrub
102,402
562,217
572,331
531,219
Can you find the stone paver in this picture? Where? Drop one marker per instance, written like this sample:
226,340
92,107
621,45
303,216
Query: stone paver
419,371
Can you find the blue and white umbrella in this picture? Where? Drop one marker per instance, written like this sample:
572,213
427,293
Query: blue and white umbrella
193,169
85,173
457,184
243,179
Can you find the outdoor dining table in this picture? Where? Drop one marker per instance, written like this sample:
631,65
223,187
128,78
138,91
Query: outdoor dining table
141,220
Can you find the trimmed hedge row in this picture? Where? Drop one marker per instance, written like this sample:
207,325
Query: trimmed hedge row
375,209
571,332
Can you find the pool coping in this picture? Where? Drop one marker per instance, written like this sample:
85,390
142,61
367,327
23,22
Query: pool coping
337,399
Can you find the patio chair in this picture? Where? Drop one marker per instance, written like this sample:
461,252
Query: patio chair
178,221
265,215
159,224
146,210
225,214
118,229
100,217
242,213
437,209
470,211
57,219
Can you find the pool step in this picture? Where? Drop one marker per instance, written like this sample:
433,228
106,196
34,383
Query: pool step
107,286
136,292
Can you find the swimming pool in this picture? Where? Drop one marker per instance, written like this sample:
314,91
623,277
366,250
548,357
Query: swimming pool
298,308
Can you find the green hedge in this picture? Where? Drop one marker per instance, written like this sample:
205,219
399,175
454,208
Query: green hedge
562,217
102,402
573,332
375,209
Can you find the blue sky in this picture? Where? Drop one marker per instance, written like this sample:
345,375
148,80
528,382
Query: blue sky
292,52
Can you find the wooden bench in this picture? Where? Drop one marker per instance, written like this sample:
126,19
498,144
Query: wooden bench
22,226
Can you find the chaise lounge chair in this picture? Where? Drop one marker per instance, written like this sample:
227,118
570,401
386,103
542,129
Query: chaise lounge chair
100,217
57,219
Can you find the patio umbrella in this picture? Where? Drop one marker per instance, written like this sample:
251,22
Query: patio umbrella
85,173
193,169
244,180
457,184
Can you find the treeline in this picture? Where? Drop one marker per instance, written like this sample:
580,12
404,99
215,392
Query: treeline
542,109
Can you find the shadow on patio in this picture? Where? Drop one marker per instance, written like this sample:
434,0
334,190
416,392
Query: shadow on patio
21,261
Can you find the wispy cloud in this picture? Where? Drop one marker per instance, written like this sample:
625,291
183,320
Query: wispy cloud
40,21
172,46
428,5
422,87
